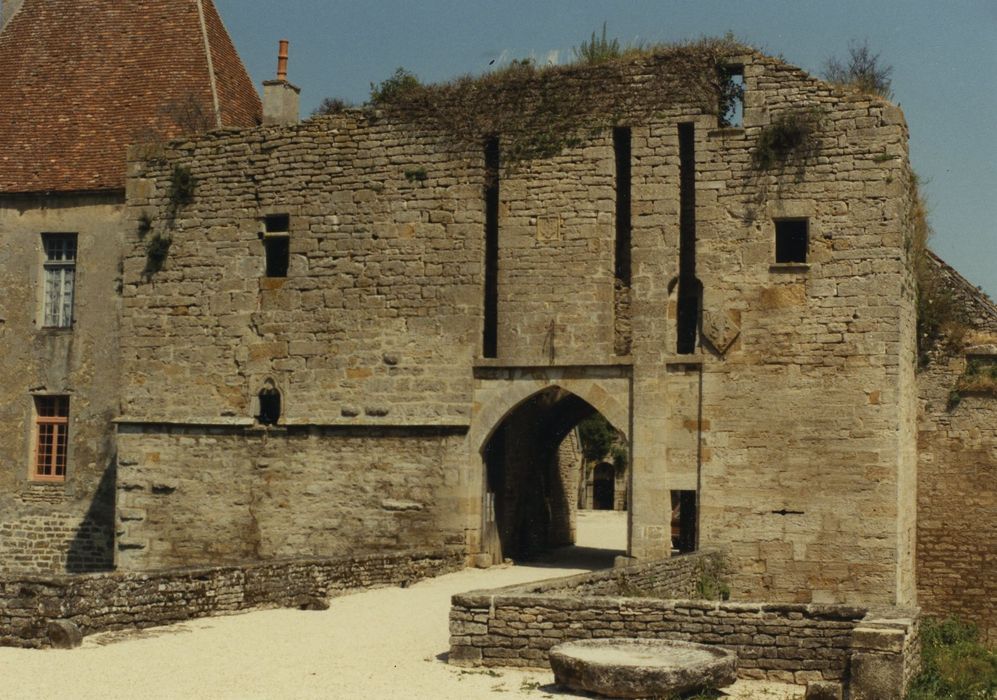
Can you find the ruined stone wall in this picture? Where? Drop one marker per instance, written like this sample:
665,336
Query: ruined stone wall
957,476
195,496
795,437
805,368
50,527
115,601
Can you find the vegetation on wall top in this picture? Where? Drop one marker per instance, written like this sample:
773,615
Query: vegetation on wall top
539,111
599,49
862,70
332,105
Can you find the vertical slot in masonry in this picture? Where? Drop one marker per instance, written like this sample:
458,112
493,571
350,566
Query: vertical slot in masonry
621,145
689,286
491,194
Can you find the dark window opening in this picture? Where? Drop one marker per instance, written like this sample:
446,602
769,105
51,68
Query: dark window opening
278,251
731,107
491,195
269,405
604,487
690,289
690,292
791,241
622,147
684,521
278,223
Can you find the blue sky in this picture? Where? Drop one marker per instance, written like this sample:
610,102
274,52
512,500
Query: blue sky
944,58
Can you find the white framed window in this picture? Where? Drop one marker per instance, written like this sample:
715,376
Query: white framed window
59,279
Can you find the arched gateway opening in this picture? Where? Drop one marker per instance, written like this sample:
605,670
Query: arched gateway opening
536,466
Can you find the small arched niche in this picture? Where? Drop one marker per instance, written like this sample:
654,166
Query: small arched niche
269,403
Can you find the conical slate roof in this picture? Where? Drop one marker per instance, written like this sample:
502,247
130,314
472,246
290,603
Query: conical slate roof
83,79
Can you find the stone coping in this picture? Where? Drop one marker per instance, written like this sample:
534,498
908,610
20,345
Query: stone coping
193,571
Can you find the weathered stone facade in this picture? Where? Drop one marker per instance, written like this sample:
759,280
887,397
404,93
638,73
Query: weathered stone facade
798,433
63,138
59,525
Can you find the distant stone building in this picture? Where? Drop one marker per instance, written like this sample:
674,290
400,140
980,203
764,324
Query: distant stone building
82,81
374,332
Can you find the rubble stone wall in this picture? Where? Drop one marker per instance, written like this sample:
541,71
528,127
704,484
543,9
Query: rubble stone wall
875,655
196,496
675,577
115,601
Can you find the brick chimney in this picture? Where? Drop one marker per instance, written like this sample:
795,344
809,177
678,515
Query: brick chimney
7,10
280,98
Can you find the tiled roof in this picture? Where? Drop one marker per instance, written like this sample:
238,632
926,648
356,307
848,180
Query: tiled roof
83,79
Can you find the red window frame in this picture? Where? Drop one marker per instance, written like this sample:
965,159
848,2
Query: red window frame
51,438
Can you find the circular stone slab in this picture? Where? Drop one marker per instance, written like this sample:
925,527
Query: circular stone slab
640,668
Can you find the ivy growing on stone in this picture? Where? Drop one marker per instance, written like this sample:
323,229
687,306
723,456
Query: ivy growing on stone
182,186
791,136
156,251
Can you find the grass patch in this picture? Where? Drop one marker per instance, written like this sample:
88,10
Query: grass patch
979,377
955,664
597,49
712,583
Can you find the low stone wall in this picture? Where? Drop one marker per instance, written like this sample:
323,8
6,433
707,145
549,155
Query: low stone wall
795,643
112,601
675,577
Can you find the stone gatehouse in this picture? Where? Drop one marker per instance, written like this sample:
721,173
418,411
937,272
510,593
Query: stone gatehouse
373,332
427,309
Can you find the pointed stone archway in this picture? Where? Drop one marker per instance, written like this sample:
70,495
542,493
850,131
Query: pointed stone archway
523,429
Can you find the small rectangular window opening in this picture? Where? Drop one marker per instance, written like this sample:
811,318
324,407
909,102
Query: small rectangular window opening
277,244
278,223
791,241
731,108
59,272
51,438
684,521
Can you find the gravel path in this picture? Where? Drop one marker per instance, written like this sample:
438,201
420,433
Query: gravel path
384,643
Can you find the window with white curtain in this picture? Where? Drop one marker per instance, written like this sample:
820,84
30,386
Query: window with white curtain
59,279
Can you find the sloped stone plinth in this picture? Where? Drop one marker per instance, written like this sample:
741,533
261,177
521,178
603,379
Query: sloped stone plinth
640,668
